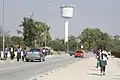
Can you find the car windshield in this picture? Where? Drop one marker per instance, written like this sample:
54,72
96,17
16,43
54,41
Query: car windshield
35,50
79,52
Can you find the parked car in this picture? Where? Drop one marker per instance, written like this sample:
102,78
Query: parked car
79,53
35,54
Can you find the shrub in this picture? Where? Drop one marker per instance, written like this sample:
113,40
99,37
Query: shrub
116,52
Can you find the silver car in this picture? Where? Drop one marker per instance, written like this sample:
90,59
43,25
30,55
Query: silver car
35,54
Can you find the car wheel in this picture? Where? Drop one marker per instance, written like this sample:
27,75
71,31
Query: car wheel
40,60
31,60
43,59
75,56
27,60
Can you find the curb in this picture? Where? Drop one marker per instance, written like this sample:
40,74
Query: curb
40,76
11,61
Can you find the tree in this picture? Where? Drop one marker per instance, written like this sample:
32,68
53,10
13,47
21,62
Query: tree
73,43
93,38
17,40
28,31
43,33
57,46
34,32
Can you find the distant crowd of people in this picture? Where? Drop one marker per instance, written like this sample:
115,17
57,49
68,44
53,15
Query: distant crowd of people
21,53
102,58
12,54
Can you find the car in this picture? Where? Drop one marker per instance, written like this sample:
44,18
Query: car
35,54
79,53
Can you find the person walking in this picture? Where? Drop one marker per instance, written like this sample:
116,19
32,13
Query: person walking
44,51
97,55
19,49
5,52
12,55
24,54
103,61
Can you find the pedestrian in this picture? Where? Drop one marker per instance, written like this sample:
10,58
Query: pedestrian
97,55
12,55
103,61
19,49
5,52
24,54
44,51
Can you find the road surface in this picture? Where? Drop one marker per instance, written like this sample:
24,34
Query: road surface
24,70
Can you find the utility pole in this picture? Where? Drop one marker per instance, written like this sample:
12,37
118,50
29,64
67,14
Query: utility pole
45,39
3,27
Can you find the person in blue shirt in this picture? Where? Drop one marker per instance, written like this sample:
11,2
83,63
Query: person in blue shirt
24,54
19,49
5,52
97,54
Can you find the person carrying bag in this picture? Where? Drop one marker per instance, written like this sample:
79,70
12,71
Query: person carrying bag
103,61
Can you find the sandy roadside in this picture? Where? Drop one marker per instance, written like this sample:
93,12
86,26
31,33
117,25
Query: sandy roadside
85,70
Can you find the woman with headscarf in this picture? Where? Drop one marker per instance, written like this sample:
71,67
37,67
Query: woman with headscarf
103,61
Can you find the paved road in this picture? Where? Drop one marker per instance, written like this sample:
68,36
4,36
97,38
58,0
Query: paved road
25,70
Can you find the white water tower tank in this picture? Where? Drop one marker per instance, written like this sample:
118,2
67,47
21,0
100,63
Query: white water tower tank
67,11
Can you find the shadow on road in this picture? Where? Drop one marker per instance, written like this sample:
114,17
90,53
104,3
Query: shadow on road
33,61
94,69
94,74
116,78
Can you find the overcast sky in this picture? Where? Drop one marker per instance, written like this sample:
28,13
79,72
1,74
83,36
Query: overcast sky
103,14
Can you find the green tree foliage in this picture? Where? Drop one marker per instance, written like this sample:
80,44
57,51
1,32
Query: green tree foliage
56,45
16,40
34,32
73,43
93,38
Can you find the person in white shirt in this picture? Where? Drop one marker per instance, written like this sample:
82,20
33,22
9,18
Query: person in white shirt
103,61
19,49
12,55
43,50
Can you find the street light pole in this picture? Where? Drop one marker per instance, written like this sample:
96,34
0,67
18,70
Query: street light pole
77,45
3,27
45,38
47,8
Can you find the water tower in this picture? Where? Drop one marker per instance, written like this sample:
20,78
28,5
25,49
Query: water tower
66,14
